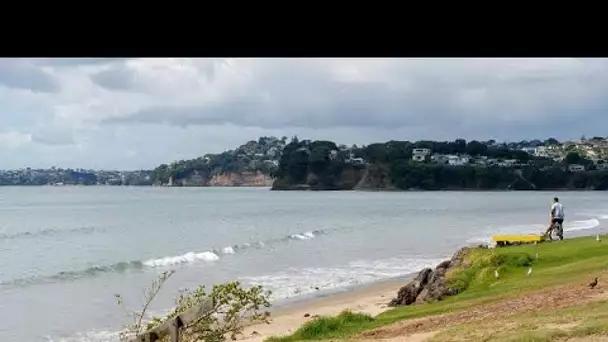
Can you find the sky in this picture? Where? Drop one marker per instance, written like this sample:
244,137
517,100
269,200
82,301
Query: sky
138,113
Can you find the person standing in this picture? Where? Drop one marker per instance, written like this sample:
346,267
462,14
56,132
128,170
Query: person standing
557,216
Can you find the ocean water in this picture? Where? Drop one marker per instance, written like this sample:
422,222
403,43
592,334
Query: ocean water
65,251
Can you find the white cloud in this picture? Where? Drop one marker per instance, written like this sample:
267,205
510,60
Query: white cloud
11,140
166,109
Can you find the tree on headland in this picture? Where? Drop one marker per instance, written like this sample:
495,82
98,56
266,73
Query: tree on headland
551,142
576,158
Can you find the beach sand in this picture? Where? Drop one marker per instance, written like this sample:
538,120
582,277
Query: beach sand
371,299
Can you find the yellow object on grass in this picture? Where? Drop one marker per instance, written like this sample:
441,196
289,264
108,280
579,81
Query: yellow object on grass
517,239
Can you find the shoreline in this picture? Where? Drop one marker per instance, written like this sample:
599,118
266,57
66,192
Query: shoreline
270,188
371,298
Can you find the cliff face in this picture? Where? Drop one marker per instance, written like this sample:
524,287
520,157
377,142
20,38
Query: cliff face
348,179
375,177
424,177
241,179
228,179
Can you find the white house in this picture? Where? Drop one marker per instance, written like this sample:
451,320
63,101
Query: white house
529,150
357,161
439,158
541,151
458,160
576,168
602,166
420,154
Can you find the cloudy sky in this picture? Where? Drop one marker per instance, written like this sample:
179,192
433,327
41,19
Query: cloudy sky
138,113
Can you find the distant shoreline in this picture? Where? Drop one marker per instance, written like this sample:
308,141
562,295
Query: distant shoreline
303,190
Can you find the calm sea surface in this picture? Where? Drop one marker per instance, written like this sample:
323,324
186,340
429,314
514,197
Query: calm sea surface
65,251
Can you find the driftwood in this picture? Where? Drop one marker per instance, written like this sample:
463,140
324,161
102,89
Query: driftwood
172,326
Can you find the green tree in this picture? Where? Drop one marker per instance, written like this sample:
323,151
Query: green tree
573,158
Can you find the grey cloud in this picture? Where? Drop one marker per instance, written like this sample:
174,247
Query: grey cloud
392,99
15,74
117,77
302,93
53,137
69,62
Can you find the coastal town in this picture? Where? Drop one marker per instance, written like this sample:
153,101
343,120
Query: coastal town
595,151
264,155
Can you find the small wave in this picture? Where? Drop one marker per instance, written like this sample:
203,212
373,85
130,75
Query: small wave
74,275
304,236
228,250
301,281
182,259
49,232
190,257
537,228
91,336
581,225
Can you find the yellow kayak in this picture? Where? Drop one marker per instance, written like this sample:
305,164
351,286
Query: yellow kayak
517,239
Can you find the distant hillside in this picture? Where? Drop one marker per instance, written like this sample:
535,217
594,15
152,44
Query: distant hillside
444,165
250,164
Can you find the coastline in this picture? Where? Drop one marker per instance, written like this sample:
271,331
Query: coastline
370,298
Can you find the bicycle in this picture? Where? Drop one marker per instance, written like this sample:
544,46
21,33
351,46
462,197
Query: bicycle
556,229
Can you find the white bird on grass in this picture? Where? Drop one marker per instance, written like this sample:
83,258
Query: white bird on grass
529,271
496,275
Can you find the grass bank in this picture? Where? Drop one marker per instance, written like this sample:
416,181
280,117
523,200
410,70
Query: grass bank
572,261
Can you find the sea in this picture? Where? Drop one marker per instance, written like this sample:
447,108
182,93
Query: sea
65,252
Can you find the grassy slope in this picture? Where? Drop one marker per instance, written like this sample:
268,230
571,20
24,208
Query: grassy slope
571,260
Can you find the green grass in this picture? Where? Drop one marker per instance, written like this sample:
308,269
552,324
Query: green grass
580,321
571,260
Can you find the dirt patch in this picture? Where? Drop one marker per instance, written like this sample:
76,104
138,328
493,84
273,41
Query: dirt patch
563,326
417,337
548,299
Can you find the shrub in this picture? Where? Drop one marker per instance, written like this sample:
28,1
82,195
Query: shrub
233,308
481,266
321,327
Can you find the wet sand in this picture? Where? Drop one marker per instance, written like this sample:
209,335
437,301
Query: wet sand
371,299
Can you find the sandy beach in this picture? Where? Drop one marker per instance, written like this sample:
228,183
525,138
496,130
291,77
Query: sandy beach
371,299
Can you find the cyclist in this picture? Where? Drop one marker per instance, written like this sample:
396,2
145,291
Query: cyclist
557,216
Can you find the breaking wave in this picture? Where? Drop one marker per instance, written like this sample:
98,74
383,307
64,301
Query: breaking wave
581,225
305,236
187,258
49,232
296,282
538,228
91,336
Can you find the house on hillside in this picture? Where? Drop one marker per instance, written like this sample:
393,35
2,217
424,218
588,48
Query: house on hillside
357,161
576,168
602,166
458,160
420,154
530,150
541,151
439,158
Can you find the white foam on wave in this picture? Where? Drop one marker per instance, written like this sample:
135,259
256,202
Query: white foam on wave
303,236
300,281
228,250
182,259
581,225
91,336
537,228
